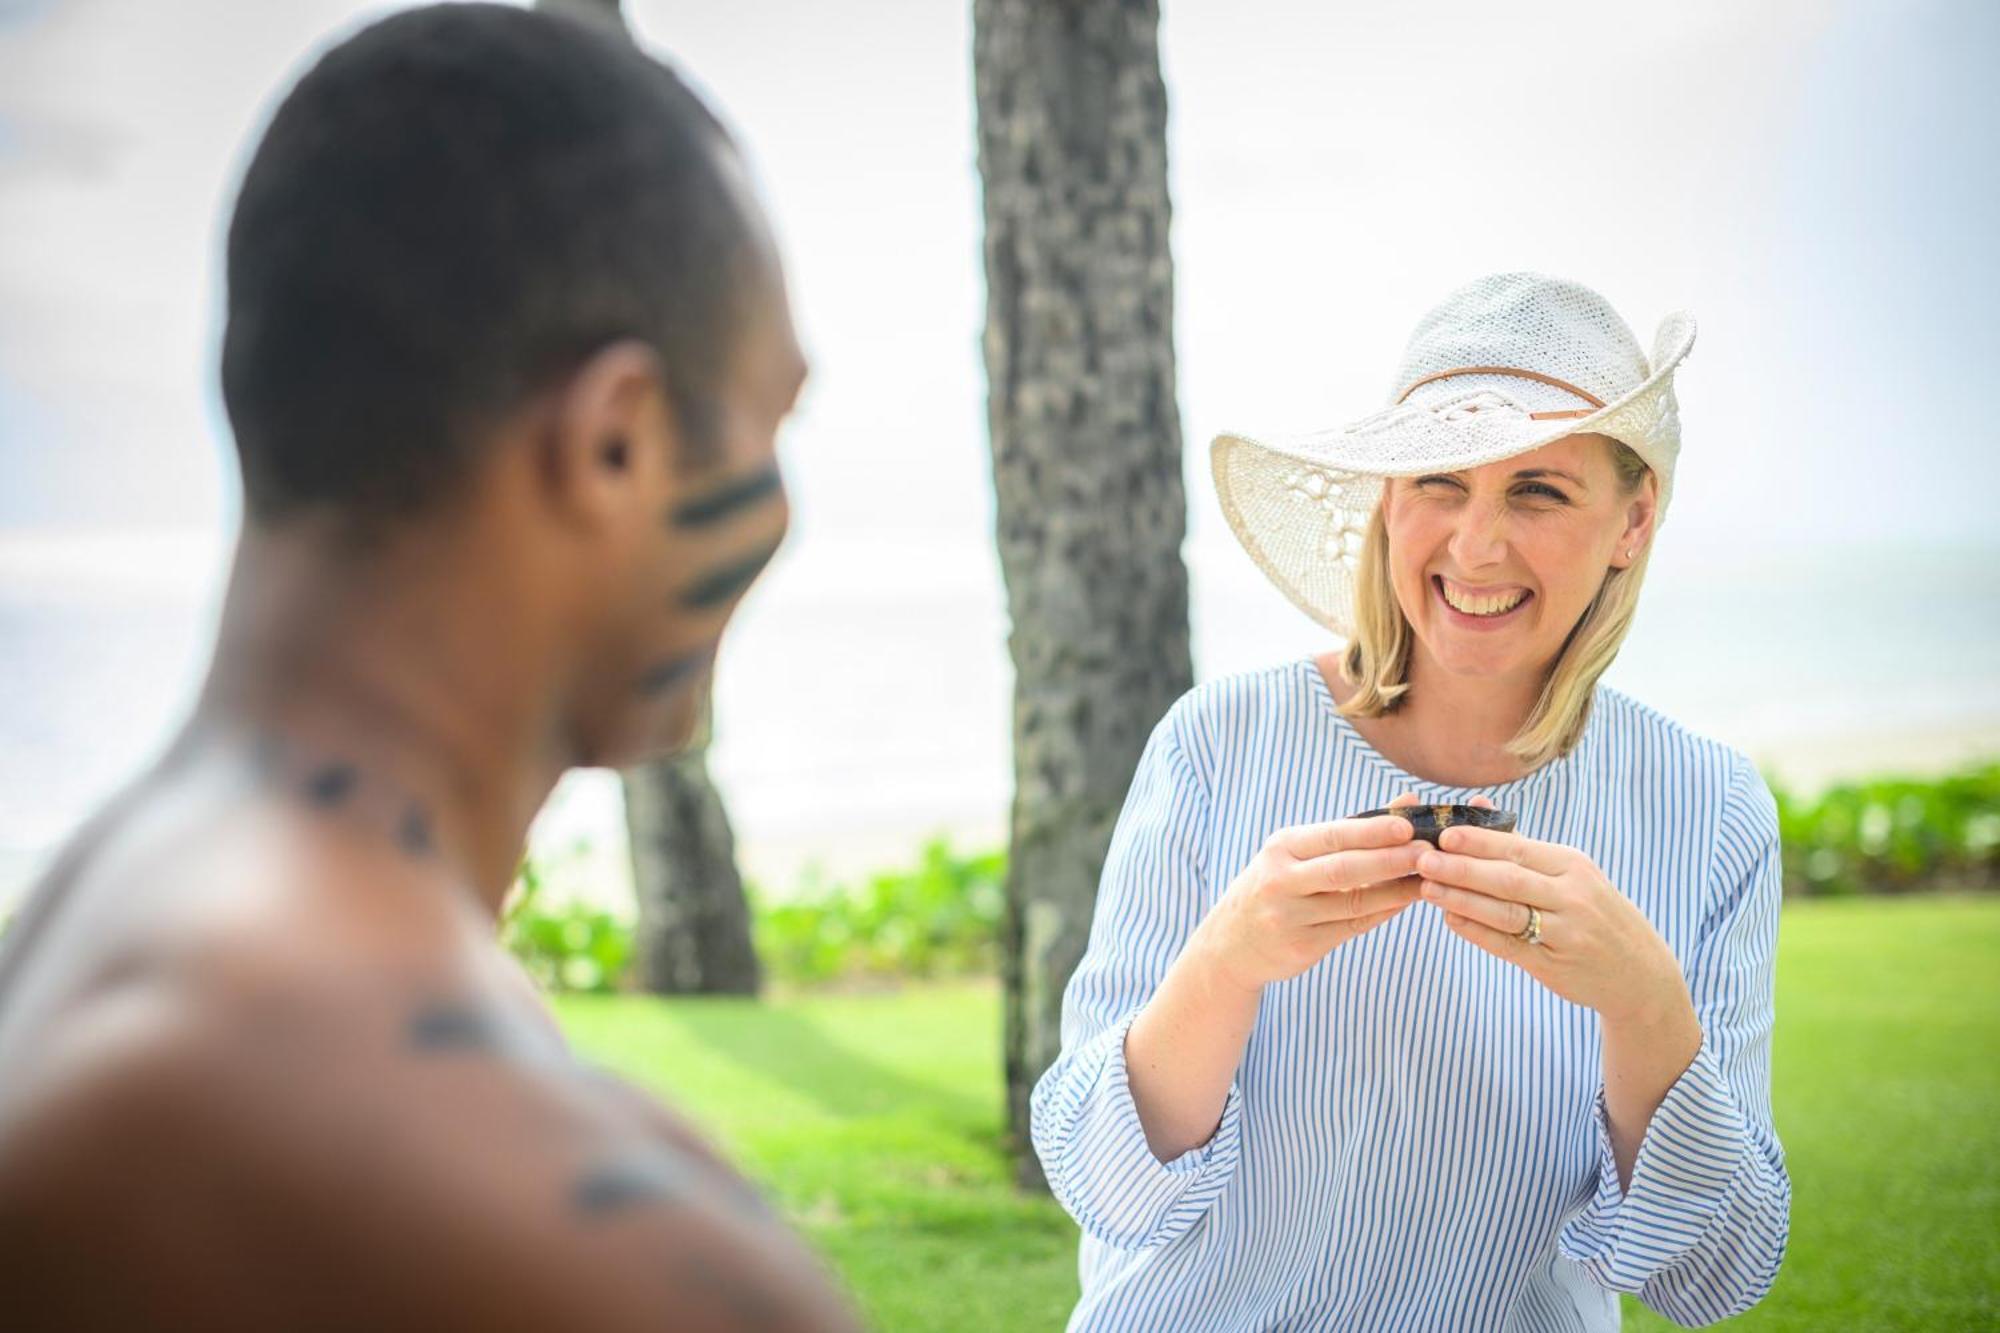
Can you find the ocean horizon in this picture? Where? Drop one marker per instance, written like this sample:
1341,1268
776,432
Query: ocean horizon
863,694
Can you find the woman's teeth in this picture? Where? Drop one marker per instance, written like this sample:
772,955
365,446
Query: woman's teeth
1482,606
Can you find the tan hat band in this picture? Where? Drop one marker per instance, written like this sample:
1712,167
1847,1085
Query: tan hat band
1510,370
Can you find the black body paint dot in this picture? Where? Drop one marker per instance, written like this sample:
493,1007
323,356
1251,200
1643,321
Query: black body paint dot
720,585
330,785
453,1027
413,832
653,1176
726,500
748,1304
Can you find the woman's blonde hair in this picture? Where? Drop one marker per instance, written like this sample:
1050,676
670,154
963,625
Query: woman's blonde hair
1377,659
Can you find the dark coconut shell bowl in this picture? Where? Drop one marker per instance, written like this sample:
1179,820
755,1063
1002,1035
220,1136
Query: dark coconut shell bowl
1432,820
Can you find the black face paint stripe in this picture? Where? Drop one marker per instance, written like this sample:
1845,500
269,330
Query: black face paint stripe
664,676
720,585
726,500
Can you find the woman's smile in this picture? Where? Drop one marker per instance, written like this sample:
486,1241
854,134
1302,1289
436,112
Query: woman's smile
1481,609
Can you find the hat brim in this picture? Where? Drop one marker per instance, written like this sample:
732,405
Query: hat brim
1300,503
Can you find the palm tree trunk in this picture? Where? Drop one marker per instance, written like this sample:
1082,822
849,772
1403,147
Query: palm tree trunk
694,922
1086,460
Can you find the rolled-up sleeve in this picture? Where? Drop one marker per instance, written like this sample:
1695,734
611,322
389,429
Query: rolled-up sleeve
1699,1234
1082,1119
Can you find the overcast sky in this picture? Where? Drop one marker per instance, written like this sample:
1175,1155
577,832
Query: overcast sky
1814,180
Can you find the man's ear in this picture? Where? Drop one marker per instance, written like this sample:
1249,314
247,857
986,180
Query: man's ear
610,435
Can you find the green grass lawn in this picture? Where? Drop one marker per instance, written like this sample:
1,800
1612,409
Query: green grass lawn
875,1122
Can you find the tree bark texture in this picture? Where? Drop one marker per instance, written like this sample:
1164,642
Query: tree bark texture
1086,445
693,936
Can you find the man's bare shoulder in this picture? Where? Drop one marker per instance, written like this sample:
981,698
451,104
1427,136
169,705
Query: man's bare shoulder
186,883
341,1104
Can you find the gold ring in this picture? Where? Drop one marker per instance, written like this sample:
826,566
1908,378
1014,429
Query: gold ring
1532,932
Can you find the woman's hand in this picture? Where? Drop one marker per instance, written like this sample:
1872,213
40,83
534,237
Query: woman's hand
1312,888
1597,949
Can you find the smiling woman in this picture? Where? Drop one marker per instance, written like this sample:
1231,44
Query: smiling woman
1598,492
1285,1101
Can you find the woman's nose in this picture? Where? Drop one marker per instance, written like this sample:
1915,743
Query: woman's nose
1480,537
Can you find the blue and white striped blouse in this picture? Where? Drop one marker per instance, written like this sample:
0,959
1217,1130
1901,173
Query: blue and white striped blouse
1416,1138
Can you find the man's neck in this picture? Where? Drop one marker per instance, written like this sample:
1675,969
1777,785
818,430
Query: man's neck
405,670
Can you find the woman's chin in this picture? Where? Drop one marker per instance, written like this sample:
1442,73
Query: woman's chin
1464,655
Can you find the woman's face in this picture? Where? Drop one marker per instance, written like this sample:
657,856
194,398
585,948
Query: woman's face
1521,546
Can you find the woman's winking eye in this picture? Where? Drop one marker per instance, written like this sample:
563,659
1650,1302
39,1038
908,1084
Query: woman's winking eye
1530,488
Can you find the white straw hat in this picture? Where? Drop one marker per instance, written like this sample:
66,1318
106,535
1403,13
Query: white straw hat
1504,365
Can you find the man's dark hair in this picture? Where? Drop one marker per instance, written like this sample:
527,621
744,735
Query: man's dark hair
454,207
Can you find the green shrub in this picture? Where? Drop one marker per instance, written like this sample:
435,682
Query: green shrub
1894,835
939,918
566,946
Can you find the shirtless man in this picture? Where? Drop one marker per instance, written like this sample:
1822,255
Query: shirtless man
507,350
